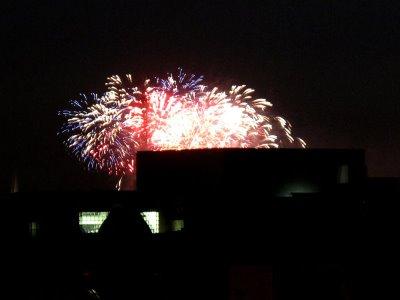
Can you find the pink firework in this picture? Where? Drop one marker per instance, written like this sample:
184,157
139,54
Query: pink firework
170,115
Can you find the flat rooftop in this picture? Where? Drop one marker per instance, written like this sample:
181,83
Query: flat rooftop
247,169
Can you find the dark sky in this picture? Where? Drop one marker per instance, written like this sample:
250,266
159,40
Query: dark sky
330,67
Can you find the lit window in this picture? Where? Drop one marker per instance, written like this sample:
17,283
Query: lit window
343,174
90,221
297,187
177,225
152,219
33,229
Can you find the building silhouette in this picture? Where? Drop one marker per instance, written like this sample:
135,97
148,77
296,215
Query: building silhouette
226,224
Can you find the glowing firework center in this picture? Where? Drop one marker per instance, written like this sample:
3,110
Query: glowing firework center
176,113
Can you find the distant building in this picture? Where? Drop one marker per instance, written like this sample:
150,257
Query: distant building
224,215
276,172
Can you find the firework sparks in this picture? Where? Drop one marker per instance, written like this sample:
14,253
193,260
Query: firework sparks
98,128
182,85
168,114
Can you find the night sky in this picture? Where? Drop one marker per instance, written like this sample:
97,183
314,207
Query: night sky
330,67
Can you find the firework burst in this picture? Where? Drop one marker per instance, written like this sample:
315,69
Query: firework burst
98,128
168,114
180,86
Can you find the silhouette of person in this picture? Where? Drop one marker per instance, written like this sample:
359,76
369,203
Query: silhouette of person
123,223
126,267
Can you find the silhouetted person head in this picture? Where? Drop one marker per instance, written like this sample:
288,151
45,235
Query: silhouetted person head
126,267
124,223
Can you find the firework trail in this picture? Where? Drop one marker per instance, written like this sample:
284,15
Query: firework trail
183,85
168,114
97,128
